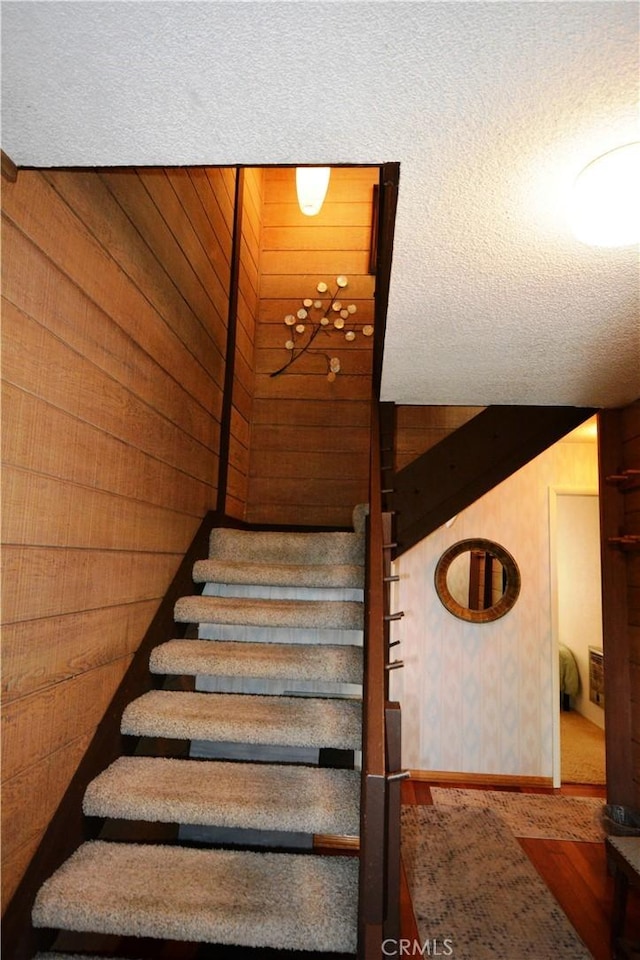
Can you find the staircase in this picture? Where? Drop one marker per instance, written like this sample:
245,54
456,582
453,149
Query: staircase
276,673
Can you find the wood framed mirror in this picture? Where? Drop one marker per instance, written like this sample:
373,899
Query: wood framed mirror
477,580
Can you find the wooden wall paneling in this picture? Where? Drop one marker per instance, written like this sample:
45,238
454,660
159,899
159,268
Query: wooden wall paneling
84,517
314,493
302,464
59,233
199,283
299,512
36,726
210,232
343,440
291,287
43,365
74,642
112,396
49,581
328,263
316,413
38,789
420,427
54,301
119,212
79,450
305,386
273,311
335,214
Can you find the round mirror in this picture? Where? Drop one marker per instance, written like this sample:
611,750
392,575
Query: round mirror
477,580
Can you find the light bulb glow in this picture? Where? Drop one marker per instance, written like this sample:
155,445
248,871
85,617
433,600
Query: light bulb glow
605,207
312,184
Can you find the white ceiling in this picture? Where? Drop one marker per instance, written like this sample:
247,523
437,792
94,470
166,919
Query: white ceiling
491,110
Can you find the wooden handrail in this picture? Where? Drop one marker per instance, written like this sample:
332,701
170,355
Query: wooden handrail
376,899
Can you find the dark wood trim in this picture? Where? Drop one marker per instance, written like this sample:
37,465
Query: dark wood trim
9,169
68,827
386,223
373,801
615,616
230,358
470,462
373,243
394,800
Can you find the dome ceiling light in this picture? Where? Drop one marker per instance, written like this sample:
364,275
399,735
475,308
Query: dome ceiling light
605,208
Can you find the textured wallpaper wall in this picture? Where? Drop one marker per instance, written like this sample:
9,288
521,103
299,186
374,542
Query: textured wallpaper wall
478,698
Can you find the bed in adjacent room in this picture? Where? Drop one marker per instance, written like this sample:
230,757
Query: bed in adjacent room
569,676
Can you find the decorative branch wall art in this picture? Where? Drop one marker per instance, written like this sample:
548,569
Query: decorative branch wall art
324,316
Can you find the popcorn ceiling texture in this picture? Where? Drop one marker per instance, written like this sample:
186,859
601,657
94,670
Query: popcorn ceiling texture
491,109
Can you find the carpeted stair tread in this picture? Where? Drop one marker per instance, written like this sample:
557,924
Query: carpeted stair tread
285,901
248,611
242,718
251,796
278,574
259,546
342,664
69,956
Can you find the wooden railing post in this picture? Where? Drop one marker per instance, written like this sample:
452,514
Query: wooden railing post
379,917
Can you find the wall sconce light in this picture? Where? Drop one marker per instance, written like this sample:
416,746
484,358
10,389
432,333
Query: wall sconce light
605,207
312,184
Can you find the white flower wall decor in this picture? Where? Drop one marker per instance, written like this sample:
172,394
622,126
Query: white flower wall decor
319,317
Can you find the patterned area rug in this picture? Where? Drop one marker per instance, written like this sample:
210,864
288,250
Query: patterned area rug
532,814
475,894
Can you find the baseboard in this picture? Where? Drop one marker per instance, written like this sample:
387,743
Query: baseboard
481,779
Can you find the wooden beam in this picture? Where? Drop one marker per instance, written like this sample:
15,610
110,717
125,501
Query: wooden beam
386,222
9,169
230,356
470,462
615,615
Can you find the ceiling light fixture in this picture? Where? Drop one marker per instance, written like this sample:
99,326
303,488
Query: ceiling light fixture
312,184
605,208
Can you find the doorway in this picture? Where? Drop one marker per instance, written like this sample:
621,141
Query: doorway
579,716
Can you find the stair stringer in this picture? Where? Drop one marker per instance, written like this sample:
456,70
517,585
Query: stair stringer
469,462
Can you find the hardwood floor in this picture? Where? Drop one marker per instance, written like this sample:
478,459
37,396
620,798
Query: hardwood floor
575,872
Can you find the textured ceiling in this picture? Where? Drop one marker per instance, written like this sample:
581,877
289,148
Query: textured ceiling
491,109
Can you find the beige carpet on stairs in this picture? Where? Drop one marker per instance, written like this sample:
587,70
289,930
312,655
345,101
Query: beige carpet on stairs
291,661
582,749
285,901
244,718
249,796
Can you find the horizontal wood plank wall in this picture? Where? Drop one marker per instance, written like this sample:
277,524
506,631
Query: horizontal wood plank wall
248,292
309,437
115,290
419,428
